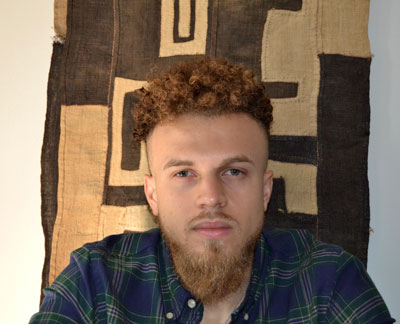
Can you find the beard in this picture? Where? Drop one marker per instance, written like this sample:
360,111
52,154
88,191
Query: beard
212,275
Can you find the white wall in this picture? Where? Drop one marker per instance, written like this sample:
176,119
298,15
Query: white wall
25,38
25,51
384,151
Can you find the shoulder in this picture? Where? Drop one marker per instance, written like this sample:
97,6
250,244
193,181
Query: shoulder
101,269
298,244
336,277
309,261
128,244
114,254
94,266
300,251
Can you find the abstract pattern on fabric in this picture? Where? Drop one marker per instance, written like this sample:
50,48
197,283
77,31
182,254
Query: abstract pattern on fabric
129,278
312,56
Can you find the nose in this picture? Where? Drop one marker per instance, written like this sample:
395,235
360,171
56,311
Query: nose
211,193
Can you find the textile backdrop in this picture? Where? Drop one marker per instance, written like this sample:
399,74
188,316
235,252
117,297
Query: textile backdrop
313,57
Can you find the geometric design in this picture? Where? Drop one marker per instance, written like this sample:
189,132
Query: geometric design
294,149
118,176
115,219
275,90
130,159
313,58
293,60
343,133
184,20
300,186
60,18
82,160
172,43
343,27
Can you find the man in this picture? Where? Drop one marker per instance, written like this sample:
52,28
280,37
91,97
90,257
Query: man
206,124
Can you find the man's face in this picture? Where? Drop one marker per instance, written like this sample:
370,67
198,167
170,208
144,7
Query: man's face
208,186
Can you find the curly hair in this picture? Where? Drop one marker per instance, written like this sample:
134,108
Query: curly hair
200,86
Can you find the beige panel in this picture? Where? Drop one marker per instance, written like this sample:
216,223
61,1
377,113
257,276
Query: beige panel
289,54
184,18
82,163
193,47
119,177
300,186
115,220
344,27
60,18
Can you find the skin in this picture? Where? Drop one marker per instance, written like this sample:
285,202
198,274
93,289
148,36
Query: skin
209,184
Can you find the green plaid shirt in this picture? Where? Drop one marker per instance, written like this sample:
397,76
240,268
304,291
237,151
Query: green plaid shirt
129,278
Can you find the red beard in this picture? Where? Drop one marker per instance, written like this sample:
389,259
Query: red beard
212,275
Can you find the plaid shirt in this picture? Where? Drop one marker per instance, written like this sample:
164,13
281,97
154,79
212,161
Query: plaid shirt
129,278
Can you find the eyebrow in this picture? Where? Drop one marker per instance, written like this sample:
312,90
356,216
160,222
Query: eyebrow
233,159
237,158
175,163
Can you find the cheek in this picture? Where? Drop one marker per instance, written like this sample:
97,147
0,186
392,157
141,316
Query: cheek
248,207
249,194
174,204
178,190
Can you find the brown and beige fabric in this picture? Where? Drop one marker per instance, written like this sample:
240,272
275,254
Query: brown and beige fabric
313,57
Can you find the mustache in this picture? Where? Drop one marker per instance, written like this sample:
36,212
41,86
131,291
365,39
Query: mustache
211,216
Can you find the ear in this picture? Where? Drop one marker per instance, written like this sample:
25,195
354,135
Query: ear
268,183
151,193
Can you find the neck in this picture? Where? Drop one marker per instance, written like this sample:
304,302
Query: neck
219,312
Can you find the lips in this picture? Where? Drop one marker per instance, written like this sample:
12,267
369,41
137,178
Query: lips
212,229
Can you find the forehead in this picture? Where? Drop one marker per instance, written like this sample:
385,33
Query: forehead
200,137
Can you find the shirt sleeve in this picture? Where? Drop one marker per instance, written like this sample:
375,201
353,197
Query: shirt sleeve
355,298
55,309
69,299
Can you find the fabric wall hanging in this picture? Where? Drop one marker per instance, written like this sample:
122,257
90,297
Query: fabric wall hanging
313,57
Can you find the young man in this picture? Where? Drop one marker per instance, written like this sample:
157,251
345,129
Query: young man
206,124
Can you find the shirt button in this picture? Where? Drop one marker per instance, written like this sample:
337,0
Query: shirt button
170,315
246,317
191,303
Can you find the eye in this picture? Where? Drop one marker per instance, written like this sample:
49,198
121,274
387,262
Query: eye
233,172
184,173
